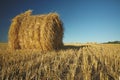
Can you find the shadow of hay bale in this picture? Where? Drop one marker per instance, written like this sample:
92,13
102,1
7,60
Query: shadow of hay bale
66,47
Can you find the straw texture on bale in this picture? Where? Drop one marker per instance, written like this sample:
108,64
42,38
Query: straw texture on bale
42,32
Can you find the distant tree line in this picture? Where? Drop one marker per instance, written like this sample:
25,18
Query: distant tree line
112,42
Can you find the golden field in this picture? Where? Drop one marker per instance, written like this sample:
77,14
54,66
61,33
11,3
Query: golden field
73,62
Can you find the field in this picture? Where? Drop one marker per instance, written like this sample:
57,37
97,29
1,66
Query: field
73,62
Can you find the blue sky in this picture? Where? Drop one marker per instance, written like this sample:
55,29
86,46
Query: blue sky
84,20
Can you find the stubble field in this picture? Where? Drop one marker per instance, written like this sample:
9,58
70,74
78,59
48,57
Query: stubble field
73,62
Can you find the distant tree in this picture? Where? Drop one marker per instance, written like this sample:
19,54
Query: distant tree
112,42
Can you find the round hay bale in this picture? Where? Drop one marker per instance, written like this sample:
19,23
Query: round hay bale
41,32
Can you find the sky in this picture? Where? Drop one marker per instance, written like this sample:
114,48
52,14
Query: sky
83,20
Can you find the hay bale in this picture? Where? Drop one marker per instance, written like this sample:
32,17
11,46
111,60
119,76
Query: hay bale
41,32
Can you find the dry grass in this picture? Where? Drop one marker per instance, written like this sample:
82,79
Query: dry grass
81,62
42,32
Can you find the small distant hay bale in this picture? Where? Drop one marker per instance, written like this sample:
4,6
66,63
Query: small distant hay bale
41,32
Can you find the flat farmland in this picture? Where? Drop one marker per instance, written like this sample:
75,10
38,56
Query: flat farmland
73,62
